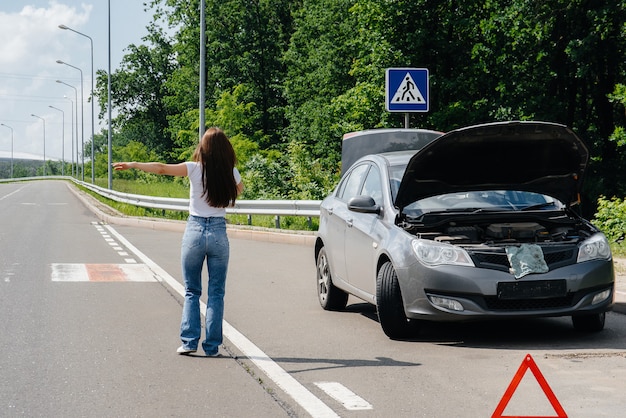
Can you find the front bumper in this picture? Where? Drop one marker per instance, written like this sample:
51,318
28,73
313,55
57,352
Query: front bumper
475,291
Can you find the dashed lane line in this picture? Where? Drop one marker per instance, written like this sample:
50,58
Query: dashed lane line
114,244
350,400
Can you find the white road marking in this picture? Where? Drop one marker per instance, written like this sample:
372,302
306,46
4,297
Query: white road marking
350,400
114,244
12,193
307,400
69,272
78,272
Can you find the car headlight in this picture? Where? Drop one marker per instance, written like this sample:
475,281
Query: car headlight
594,248
434,253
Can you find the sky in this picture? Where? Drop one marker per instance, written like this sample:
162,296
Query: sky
30,44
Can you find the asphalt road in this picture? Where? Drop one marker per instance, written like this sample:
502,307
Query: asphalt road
107,347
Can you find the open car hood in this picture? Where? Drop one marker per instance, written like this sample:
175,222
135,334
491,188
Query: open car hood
538,157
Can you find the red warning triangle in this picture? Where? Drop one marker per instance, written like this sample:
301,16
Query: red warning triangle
526,364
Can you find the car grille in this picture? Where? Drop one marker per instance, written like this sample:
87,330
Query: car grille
555,257
495,304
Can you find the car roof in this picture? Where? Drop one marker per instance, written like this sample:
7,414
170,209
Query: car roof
397,157
376,141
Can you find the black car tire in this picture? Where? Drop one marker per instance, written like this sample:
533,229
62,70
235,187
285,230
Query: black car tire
391,314
589,323
331,297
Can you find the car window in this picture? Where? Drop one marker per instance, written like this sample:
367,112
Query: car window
353,183
342,186
372,186
395,178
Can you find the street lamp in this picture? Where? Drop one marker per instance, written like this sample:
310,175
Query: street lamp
82,114
76,106
109,139
44,142
7,126
62,138
72,130
93,155
202,91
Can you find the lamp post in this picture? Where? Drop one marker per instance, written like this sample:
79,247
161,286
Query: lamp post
44,142
93,155
202,91
110,134
76,108
82,115
62,138
7,126
71,130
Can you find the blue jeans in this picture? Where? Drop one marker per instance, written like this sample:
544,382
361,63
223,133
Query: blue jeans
204,239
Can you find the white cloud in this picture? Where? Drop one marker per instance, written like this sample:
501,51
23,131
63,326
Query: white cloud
31,43
32,35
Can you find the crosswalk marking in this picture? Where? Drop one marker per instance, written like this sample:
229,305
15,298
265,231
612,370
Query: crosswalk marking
76,272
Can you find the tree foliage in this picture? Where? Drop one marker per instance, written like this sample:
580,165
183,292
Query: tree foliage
286,79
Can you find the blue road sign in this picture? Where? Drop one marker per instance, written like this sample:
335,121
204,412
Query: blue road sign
406,89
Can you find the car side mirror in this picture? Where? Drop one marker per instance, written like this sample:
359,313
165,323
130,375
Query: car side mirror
363,204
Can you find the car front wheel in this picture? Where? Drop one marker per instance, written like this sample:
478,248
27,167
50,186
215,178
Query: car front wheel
331,297
391,314
589,323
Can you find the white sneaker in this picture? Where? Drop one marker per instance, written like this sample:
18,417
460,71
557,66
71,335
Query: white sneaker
183,350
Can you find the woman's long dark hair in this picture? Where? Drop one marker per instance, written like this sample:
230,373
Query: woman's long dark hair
217,157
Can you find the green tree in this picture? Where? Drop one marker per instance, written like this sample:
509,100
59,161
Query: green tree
318,62
138,92
245,43
287,79
559,61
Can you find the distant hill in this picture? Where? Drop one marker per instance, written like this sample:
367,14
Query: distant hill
21,168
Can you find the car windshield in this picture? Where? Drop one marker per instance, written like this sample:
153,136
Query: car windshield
474,201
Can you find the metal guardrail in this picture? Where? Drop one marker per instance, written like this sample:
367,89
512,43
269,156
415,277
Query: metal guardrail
277,208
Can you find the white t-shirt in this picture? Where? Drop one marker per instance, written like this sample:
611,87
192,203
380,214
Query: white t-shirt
198,206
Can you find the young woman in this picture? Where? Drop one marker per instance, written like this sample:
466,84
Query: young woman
215,183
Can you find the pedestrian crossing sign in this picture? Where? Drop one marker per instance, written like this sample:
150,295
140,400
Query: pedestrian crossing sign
406,89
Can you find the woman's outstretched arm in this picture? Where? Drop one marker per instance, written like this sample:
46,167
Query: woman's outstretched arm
154,167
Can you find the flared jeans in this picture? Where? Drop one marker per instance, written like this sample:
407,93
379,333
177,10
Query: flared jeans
204,239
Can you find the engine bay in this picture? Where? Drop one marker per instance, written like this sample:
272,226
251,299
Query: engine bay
496,232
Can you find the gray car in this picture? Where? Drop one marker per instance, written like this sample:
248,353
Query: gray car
478,223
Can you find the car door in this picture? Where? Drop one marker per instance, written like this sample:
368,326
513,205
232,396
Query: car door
338,216
363,236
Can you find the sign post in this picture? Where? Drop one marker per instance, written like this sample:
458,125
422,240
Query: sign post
406,90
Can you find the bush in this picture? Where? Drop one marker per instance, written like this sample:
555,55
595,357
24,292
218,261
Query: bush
611,217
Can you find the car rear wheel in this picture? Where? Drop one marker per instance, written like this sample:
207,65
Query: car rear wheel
391,314
589,323
331,298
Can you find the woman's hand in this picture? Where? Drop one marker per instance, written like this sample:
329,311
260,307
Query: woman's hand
122,166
